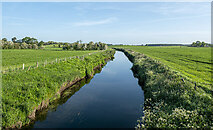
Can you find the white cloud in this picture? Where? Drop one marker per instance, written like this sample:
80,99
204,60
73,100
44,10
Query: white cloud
97,22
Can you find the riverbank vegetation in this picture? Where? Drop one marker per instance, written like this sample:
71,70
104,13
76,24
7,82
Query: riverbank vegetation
193,63
26,92
171,100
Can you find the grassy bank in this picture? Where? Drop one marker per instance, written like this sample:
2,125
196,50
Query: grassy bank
25,92
170,101
193,63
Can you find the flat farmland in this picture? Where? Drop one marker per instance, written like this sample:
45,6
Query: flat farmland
194,63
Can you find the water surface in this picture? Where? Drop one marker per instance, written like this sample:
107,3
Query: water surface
111,99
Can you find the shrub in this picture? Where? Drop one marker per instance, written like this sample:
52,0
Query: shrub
16,46
35,46
29,46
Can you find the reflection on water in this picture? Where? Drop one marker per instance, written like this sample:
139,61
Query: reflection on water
111,99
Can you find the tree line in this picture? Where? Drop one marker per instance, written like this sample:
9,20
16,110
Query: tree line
200,44
24,43
78,45
32,43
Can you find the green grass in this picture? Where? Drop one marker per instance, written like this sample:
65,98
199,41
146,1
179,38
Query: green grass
15,58
25,90
170,102
194,63
51,47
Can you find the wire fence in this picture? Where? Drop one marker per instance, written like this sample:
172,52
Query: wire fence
29,66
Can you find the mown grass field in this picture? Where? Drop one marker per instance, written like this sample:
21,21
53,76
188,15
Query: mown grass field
192,62
15,58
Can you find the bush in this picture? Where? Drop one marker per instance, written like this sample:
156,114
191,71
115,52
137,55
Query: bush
16,46
35,46
24,45
29,46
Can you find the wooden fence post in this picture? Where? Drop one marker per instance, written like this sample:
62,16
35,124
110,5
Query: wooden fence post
23,66
28,68
56,60
37,64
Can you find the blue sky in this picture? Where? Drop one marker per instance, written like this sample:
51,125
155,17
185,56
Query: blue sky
124,22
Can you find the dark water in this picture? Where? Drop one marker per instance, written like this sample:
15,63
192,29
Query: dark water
111,99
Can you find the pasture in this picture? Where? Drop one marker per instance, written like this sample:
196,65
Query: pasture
193,63
15,58
23,91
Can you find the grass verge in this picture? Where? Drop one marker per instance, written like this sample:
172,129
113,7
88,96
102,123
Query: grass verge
26,92
170,101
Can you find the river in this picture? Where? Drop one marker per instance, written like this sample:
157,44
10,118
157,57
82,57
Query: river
111,99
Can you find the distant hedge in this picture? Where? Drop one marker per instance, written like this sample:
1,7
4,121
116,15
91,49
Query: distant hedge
85,46
12,45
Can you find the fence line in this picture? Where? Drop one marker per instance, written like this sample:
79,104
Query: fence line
24,67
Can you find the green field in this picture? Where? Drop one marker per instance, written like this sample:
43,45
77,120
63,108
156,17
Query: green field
194,63
170,102
23,91
51,47
15,58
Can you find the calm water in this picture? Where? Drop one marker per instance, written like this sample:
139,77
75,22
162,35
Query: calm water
111,99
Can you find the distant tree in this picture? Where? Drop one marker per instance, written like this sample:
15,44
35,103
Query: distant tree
16,46
193,44
26,39
96,46
30,46
4,46
24,45
14,39
41,43
10,46
30,40
4,39
34,46
90,45
75,45
199,44
33,41
203,44
84,46
105,47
